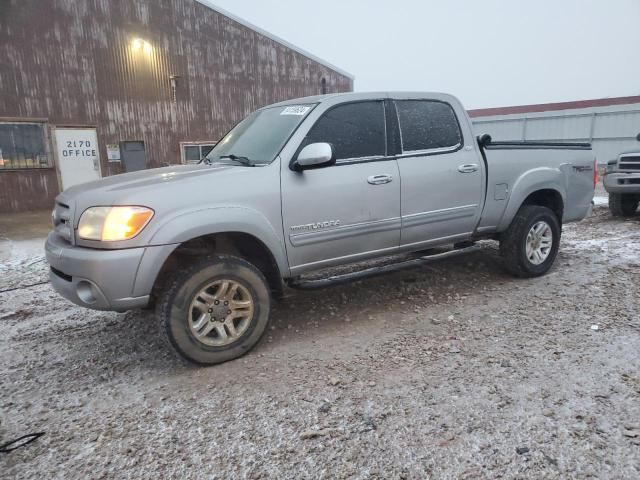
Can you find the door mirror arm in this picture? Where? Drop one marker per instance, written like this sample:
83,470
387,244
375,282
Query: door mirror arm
484,140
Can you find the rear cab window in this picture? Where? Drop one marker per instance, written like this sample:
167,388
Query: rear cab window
354,130
427,125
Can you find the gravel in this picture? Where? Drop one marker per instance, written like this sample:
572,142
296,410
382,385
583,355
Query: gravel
451,370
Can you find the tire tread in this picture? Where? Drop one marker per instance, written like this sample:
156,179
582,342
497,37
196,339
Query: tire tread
622,205
510,241
167,295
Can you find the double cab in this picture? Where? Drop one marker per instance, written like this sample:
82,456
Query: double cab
300,186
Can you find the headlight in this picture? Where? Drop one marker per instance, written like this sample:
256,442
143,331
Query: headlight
111,224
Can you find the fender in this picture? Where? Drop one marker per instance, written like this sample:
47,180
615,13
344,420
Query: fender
205,221
542,178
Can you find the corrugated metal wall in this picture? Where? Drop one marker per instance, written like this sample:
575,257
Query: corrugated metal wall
611,130
22,190
76,62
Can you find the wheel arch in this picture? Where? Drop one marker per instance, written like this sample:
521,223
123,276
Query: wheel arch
238,244
543,187
235,231
547,197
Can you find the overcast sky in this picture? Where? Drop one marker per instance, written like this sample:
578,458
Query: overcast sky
488,52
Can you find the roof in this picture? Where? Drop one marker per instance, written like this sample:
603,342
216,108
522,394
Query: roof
279,40
356,96
548,107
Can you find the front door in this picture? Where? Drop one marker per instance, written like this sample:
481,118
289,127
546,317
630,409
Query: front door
350,210
78,158
442,178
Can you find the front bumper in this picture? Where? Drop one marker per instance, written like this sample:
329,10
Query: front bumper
618,182
104,279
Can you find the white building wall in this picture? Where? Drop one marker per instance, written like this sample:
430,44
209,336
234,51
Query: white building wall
611,130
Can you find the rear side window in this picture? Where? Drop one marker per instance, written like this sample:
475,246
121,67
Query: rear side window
355,130
427,124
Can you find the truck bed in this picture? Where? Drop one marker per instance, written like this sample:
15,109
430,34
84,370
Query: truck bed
519,168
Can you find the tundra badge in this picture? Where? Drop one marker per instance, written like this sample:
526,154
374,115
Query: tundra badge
315,226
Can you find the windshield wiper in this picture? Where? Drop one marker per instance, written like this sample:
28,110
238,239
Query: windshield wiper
238,158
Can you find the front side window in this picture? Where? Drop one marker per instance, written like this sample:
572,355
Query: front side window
354,130
427,124
22,145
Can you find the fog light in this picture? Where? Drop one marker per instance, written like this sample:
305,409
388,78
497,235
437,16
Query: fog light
86,292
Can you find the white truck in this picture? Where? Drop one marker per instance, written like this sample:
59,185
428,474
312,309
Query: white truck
622,181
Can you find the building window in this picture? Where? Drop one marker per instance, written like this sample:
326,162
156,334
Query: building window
323,86
196,151
22,145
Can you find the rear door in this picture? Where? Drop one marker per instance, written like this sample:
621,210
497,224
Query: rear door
351,209
442,177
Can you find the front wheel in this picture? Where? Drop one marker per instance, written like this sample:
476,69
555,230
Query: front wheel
215,310
530,245
623,205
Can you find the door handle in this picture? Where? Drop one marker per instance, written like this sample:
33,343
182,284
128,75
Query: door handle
379,179
468,168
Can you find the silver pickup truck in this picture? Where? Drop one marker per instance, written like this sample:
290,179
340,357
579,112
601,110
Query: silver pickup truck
622,181
300,186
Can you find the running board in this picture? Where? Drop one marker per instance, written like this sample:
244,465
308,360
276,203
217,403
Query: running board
375,271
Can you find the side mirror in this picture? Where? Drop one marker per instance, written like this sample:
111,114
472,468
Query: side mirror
638,137
484,140
314,155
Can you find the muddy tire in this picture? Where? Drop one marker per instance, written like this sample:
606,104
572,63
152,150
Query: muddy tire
623,205
530,245
215,310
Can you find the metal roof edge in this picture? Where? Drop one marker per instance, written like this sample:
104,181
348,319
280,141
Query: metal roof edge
553,106
275,38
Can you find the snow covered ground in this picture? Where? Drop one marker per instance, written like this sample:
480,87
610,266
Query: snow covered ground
453,370
601,201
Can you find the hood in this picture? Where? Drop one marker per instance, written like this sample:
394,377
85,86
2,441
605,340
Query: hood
164,189
143,179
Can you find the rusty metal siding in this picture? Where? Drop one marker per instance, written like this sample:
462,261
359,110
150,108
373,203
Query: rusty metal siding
73,62
22,190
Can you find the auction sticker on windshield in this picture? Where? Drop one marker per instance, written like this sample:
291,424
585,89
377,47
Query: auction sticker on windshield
295,110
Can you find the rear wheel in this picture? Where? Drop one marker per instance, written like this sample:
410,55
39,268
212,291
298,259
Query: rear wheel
530,245
216,310
623,205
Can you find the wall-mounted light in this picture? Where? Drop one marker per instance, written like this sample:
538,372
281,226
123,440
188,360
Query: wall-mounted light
140,45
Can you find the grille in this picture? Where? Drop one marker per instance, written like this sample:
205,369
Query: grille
62,223
629,181
629,163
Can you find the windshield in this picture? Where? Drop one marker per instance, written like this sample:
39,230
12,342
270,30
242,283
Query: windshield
258,138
